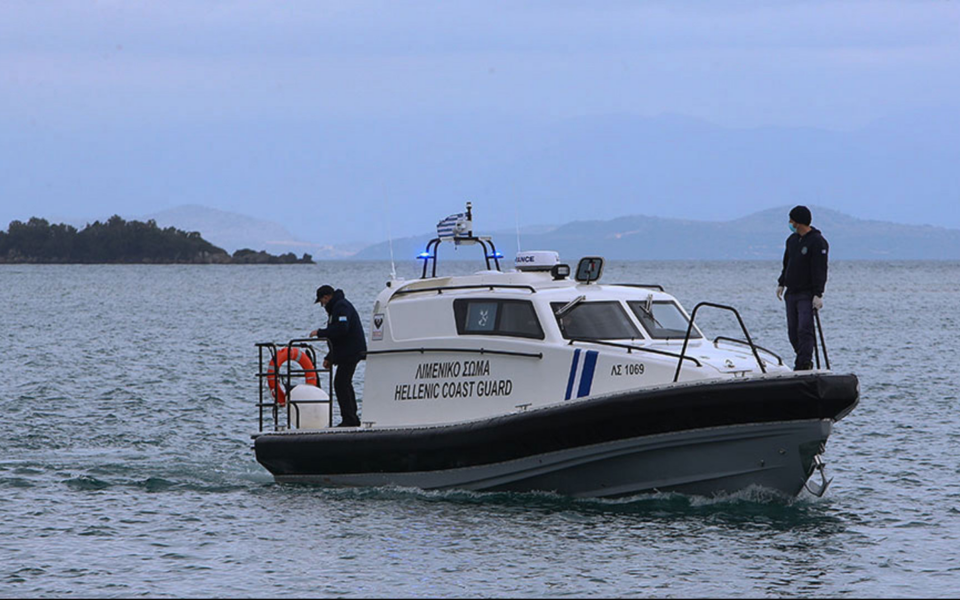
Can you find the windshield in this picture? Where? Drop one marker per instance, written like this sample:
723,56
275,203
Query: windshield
596,321
664,321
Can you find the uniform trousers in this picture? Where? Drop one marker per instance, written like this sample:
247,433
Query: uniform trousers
800,326
346,397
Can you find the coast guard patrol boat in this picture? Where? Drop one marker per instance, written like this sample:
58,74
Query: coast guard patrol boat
541,379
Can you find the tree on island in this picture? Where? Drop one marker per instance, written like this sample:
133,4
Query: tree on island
120,241
252,257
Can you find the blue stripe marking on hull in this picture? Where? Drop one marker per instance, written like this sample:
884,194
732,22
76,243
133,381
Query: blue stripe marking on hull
586,378
573,373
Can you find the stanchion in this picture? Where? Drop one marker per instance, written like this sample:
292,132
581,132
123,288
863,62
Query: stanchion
826,361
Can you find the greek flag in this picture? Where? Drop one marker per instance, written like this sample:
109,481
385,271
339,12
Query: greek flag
454,226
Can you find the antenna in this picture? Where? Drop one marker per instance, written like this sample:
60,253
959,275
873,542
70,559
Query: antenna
393,265
516,212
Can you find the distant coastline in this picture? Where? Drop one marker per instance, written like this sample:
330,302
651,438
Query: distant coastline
756,236
117,241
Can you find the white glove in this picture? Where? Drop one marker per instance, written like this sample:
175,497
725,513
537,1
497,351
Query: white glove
779,292
817,302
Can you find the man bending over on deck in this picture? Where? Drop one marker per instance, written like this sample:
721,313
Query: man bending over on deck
804,276
348,346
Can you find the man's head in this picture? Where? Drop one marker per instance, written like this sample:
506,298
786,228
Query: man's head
800,215
324,293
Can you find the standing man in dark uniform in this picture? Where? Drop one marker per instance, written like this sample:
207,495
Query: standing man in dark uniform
348,346
804,276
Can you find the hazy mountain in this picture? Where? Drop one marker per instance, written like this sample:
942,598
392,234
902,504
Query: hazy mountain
760,235
232,231
331,180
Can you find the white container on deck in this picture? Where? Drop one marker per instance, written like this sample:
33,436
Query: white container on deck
312,404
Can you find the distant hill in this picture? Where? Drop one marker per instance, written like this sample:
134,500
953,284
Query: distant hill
398,175
232,231
760,235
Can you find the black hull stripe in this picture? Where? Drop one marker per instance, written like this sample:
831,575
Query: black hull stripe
609,418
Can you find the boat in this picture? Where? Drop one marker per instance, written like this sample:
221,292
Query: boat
542,378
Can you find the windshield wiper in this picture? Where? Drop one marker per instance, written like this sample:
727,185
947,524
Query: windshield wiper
648,308
569,305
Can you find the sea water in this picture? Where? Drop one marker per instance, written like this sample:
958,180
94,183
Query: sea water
128,398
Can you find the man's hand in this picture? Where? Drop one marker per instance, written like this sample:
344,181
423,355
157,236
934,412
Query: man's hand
313,333
779,292
817,302
326,364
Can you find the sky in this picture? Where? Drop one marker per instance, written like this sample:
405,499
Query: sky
345,119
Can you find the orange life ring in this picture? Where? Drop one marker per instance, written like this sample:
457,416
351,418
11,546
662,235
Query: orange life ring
283,355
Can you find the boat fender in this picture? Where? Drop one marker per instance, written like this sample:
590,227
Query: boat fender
283,355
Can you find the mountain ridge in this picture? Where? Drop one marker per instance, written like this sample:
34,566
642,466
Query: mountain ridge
756,236
338,180
234,231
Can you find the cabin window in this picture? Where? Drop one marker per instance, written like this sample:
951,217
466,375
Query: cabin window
663,321
515,318
596,321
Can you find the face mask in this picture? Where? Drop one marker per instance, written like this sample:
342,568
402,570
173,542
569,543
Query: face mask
793,228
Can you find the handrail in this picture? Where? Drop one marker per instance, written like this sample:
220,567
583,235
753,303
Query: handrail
631,347
538,355
744,342
693,317
655,286
826,361
440,289
427,256
284,378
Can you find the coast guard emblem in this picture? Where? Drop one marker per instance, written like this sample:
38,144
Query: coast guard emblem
803,250
378,326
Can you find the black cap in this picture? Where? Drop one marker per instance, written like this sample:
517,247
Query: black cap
801,214
322,291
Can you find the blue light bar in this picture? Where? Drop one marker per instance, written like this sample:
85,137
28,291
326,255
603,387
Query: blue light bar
496,254
424,256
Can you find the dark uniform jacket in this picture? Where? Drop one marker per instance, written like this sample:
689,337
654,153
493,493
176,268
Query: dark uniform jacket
344,330
805,263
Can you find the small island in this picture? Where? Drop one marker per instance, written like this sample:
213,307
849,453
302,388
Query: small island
118,241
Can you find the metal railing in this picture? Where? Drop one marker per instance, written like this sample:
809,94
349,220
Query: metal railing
686,339
283,376
467,350
651,286
479,286
826,361
489,252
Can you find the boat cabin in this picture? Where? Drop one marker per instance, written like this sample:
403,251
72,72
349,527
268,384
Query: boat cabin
448,349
